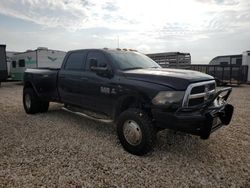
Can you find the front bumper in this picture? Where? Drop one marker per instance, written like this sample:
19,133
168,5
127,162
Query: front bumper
200,120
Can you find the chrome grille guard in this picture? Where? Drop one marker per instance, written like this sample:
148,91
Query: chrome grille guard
188,94
209,104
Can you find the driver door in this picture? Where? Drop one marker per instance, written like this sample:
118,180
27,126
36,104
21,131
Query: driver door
98,88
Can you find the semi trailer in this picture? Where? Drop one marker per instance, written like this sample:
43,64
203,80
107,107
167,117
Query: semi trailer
171,59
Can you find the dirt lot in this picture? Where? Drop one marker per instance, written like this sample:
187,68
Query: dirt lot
59,149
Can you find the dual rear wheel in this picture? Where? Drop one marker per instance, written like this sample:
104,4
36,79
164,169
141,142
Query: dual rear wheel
32,103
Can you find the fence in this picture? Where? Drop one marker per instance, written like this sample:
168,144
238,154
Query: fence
228,74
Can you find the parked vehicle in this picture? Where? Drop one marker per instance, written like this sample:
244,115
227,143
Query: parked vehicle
39,58
171,59
133,91
229,68
3,64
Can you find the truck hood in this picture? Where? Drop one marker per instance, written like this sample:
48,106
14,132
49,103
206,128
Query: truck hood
175,78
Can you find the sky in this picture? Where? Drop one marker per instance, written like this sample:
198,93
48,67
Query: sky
204,28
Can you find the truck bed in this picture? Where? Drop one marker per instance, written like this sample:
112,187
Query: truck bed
44,81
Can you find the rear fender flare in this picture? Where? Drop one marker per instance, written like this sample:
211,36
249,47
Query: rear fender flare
28,84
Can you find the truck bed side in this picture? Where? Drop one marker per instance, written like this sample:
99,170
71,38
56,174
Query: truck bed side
44,82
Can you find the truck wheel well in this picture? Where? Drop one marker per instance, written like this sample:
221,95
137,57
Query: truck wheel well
130,102
28,85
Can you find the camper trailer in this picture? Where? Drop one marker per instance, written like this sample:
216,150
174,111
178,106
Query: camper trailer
227,60
9,56
233,66
39,58
3,64
246,61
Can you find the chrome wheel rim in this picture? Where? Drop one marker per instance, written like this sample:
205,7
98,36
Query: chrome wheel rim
27,101
132,132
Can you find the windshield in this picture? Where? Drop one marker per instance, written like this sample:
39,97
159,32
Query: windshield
133,60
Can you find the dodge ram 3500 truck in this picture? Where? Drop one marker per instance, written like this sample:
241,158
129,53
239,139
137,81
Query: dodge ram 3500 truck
131,90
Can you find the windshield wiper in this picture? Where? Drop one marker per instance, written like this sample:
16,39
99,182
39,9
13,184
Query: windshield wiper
132,68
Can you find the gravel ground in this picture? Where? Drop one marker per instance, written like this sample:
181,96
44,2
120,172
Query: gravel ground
59,149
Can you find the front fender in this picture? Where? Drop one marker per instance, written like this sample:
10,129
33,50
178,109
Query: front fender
124,102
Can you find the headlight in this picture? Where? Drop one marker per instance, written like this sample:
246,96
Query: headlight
168,97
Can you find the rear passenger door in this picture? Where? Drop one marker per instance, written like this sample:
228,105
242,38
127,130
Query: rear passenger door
70,78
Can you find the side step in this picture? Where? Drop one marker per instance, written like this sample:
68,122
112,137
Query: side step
88,116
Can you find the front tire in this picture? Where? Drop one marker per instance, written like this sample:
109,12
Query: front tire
136,132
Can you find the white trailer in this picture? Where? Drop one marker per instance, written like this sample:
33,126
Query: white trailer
246,61
9,56
39,58
227,60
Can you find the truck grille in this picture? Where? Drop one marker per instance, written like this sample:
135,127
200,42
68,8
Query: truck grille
198,93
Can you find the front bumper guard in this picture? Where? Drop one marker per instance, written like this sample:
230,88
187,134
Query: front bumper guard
209,104
202,119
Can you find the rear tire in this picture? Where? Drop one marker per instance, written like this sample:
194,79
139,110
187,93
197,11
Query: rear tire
44,106
136,132
31,102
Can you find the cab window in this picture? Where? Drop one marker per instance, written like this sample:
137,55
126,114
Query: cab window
97,57
75,61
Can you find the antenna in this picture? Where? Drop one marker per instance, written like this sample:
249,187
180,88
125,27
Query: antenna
118,42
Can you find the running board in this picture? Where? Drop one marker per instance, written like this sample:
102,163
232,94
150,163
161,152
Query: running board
88,116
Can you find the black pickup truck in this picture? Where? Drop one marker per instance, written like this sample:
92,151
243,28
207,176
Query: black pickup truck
131,90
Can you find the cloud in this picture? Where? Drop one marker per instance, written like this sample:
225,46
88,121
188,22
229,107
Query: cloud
110,6
148,25
49,13
165,19
220,2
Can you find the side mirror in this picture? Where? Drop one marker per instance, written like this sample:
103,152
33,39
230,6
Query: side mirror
99,69
93,63
102,71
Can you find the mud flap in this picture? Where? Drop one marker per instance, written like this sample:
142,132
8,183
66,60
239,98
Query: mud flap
206,130
226,116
